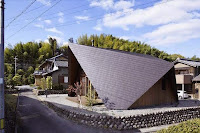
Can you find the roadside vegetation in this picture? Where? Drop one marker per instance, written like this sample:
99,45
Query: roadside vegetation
10,112
190,126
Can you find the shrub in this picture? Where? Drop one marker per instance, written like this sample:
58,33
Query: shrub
17,79
39,88
49,82
190,126
31,79
43,83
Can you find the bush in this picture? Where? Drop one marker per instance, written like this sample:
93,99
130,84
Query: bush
17,79
190,126
57,87
31,79
39,88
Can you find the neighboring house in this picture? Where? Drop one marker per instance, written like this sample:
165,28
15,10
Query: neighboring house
123,80
187,76
57,68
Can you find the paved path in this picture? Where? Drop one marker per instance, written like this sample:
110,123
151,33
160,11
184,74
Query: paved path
38,118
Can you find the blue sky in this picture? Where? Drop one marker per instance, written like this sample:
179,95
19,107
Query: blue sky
169,25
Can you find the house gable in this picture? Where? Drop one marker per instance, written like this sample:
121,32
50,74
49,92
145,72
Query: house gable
120,78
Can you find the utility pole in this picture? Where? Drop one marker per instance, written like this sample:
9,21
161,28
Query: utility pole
2,111
15,65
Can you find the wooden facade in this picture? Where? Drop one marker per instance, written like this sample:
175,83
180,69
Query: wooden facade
76,74
163,92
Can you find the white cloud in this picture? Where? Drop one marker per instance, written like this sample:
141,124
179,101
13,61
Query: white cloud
54,30
61,20
106,4
82,18
174,21
39,26
60,14
110,4
59,40
47,21
45,2
61,17
160,13
174,33
78,22
98,27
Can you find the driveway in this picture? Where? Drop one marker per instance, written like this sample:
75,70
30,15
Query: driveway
38,118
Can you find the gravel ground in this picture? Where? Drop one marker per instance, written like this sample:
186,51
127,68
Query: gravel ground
61,101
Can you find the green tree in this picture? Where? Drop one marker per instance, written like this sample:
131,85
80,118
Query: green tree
43,83
20,71
49,82
17,79
31,79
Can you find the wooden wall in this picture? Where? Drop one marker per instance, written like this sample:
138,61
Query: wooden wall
73,68
156,95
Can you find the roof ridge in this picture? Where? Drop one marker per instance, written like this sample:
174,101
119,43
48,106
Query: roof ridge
121,51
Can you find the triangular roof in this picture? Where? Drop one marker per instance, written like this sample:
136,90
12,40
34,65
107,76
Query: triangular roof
188,62
52,59
120,78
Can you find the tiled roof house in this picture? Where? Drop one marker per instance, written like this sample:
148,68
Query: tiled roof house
57,68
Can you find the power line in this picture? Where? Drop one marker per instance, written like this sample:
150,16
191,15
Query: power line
34,19
21,13
101,16
95,18
29,11
79,11
62,11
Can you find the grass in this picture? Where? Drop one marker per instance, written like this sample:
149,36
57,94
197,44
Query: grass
11,101
190,126
10,112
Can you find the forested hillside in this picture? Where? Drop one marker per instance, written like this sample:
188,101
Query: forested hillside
108,41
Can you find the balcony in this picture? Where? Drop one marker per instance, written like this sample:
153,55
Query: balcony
184,79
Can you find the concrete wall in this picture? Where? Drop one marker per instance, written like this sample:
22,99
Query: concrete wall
183,79
38,80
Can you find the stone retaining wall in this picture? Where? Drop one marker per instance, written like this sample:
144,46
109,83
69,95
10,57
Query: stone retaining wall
11,91
128,123
42,92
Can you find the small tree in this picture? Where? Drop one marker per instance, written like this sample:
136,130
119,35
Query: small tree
31,79
78,91
43,83
9,81
17,79
90,96
49,82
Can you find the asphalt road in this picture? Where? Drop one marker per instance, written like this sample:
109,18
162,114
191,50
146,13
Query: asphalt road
38,118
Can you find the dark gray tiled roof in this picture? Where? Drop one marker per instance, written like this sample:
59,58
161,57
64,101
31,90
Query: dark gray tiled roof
188,62
120,78
61,63
197,78
53,58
